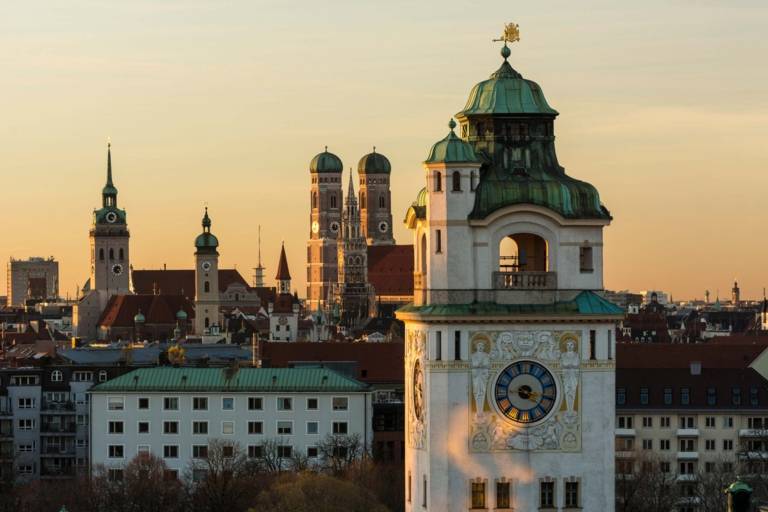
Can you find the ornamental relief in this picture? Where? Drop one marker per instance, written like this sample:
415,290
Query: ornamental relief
415,352
525,391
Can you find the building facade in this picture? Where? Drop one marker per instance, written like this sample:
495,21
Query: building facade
33,278
509,361
175,413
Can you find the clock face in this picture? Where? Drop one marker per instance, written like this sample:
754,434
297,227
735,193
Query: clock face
525,392
418,391
334,226
383,227
111,217
315,227
206,266
117,269
282,320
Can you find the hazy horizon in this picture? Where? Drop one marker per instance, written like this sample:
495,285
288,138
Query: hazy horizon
663,107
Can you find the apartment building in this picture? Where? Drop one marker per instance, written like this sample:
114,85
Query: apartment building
695,409
175,413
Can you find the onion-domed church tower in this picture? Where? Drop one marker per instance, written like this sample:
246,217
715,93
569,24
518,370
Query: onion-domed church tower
207,296
509,357
375,199
325,225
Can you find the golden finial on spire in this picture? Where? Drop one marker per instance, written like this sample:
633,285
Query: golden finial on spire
511,33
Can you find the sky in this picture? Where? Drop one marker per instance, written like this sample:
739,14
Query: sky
663,107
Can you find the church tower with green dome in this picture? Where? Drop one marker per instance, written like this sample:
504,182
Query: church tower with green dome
207,296
509,343
375,199
324,228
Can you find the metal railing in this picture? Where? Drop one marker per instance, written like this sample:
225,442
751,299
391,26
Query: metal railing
51,406
525,280
58,427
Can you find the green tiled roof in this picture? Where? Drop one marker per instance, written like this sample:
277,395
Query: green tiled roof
585,303
225,379
451,150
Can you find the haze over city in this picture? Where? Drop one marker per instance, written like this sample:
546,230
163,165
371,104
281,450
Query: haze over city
662,108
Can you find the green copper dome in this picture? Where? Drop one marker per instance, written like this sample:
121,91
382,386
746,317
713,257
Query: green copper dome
181,315
421,197
206,241
507,92
374,163
139,318
451,150
326,162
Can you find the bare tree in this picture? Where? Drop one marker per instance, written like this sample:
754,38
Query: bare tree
646,484
222,480
340,452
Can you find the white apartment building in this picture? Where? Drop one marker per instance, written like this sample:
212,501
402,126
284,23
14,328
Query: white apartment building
174,413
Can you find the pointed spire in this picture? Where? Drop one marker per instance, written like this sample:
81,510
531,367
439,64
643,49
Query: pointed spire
109,164
206,221
283,274
351,188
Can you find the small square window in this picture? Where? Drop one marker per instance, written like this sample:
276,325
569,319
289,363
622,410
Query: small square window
143,403
116,451
255,403
200,403
255,451
171,403
200,451
200,427
143,427
284,428
171,451
227,427
228,403
339,427
284,403
170,427
115,427
255,427
284,451
340,403
312,427
311,404
116,403
311,452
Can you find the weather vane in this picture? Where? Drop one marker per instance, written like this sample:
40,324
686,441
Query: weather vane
511,33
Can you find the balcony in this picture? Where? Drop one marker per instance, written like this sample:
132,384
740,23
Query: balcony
623,454
58,428
525,280
625,432
58,451
50,407
687,477
55,473
753,432
6,412
687,432
688,455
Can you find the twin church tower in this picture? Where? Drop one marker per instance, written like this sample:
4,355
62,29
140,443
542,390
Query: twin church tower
341,229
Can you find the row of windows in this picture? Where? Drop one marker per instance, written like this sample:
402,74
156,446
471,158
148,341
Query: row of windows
627,467
200,451
479,499
627,444
455,181
79,376
688,422
283,427
200,403
685,396
121,254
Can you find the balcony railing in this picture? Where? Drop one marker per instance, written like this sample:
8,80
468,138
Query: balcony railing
59,451
66,472
51,406
525,280
58,428
687,432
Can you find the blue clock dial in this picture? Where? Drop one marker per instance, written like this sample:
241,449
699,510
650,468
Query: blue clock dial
525,392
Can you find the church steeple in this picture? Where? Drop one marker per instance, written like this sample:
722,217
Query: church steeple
109,192
283,276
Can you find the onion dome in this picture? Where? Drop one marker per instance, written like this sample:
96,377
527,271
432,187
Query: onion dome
206,241
374,163
139,318
451,150
181,315
417,210
506,92
326,162
421,197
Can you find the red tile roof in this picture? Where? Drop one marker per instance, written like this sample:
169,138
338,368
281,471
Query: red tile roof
376,362
282,268
669,355
157,309
390,269
178,282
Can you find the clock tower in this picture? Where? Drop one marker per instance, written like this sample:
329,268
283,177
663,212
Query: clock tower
509,358
109,241
375,199
207,299
325,226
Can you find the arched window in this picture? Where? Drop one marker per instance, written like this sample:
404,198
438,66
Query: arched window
438,241
472,183
362,200
103,376
101,254
207,322
333,201
237,296
438,182
121,254
523,252
424,254
57,376
382,201
456,178
111,254
314,199
207,287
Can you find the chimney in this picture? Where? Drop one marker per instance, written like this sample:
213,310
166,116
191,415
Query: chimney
695,367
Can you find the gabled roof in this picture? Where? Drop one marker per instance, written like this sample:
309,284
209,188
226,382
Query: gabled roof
227,379
178,282
157,309
283,274
390,269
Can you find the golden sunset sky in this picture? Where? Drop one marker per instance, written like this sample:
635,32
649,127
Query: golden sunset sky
663,106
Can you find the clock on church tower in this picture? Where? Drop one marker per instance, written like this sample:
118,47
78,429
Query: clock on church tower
509,343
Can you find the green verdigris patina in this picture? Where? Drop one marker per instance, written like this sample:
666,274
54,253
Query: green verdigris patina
510,126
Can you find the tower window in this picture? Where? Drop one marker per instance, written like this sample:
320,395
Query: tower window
478,494
438,241
362,200
457,345
547,495
333,201
382,201
121,254
472,181
314,199
438,345
592,344
456,178
207,322
438,182
101,254
502,494
571,494
585,260
111,254
207,287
